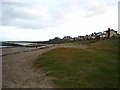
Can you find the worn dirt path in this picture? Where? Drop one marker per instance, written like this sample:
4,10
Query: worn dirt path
18,71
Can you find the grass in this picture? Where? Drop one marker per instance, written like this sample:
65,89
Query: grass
80,68
83,42
109,45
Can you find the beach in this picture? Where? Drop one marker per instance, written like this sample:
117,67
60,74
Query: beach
17,70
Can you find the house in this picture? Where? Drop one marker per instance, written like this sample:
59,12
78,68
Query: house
104,35
67,38
98,35
91,36
110,33
86,37
116,35
75,38
80,37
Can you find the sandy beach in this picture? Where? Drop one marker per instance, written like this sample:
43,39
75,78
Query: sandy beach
17,70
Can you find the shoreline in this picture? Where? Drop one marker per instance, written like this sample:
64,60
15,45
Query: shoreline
11,50
18,71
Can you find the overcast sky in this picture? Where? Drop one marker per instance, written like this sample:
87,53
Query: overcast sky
41,20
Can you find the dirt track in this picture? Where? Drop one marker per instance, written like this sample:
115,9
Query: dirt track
18,71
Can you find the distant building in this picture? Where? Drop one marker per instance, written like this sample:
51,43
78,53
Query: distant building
75,38
99,35
110,33
56,40
67,38
80,37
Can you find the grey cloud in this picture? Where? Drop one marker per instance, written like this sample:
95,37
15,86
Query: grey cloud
12,15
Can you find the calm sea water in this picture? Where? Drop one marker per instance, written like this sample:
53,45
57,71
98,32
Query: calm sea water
23,43
4,46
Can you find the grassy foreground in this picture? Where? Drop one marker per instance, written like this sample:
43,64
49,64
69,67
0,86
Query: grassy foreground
80,68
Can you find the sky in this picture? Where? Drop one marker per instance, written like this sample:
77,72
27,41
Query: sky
41,20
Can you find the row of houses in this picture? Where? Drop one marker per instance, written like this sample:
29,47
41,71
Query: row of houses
99,35
94,36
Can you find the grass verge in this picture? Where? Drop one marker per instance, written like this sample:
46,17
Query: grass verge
80,68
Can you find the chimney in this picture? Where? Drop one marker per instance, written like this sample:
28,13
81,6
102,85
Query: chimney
108,32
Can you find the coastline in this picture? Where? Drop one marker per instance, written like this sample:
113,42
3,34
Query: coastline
18,71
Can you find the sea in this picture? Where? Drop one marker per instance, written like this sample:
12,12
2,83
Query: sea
24,44
4,46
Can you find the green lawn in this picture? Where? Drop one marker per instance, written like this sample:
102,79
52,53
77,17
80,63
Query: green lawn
80,68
